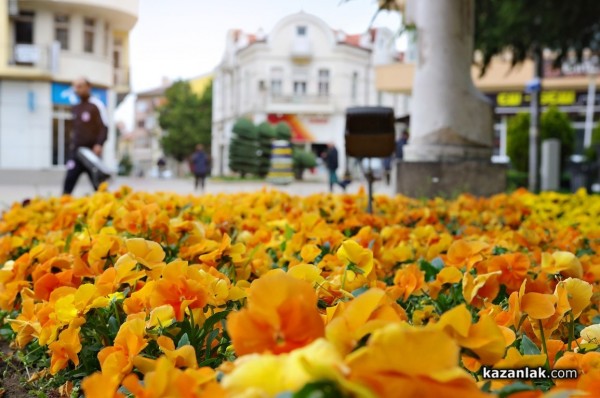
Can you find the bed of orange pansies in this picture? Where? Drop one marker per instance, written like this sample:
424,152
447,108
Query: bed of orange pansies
269,295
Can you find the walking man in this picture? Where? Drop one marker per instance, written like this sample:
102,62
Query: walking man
90,130
199,163
332,162
400,145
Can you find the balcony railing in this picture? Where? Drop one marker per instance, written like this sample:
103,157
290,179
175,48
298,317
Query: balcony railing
300,99
301,49
38,56
121,77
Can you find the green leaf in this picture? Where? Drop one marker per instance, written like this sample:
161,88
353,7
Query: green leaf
352,267
430,269
113,325
211,336
514,388
322,304
289,232
585,251
79,226
320,389
438,263
502,295
184,340
487,386
499,250
360,291
528,347
68,242
559,355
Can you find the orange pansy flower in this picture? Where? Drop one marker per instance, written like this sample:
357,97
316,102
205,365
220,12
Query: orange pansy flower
281,315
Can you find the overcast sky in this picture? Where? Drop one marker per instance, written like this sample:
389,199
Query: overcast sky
186,38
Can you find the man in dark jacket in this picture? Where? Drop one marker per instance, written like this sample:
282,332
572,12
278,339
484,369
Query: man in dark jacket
399,155
332,162
89,130
199,164
400,145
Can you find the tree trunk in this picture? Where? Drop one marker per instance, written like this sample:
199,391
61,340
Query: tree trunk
450,118
298,173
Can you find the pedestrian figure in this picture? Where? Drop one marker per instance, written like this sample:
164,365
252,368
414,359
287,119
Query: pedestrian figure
199,164
332,162
387,168
400,145
90,130
162,164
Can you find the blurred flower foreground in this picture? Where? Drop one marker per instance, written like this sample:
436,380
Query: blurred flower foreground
269,295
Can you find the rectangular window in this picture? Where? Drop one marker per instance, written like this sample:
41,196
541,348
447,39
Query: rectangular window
24,27
276,81
117,47
106,39
89,34
354,93
301,30
61,30
323,82
299,88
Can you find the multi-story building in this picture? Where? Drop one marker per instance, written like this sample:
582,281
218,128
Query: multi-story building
566,87
143,143
44,45
304,73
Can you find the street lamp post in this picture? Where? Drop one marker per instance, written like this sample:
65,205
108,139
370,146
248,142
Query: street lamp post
533,88
592,70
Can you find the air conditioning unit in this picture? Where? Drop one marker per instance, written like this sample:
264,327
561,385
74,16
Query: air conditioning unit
26,54
13,8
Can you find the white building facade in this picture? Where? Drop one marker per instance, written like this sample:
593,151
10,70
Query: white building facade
304,73
44,46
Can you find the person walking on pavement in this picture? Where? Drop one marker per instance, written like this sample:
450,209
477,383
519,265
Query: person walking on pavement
90,130
162,165
199,163
400,145
332,162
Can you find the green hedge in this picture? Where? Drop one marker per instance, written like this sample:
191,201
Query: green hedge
553,124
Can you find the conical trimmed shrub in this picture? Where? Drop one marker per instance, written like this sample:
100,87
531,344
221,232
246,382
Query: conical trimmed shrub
244,148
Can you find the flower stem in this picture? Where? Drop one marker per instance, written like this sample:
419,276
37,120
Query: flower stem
116,311
544,343
571,331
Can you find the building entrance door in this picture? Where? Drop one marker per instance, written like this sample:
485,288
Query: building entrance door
61,135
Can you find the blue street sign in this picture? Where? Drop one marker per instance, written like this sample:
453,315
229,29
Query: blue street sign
533,86
63,94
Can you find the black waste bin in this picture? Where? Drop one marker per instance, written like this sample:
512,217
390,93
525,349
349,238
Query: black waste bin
370,132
